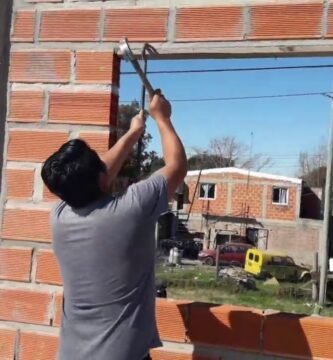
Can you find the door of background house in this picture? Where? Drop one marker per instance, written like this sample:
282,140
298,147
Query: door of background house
257,237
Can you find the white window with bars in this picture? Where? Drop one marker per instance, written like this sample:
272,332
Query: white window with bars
207,191
280,196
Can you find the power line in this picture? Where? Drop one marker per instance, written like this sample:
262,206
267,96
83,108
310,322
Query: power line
199,71
234,98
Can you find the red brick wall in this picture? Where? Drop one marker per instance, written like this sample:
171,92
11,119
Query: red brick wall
57,91
212,207
254,198
232,328
247,200
282,212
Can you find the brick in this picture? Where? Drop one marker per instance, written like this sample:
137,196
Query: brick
286,21
174,330
209,23
98,140
159,354
307,337
48,271
20,183
24,26
25,306
100,67
26,106
51,66
90,108
34,145
217,206
7,344
15,264
146,24
58,310
39,346
48,196
168,355
70,25
26,225
247,198
281,212
232,326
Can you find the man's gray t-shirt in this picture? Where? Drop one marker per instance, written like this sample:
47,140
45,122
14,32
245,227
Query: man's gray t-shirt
106,253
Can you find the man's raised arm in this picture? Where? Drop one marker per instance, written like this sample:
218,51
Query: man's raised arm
175,168
116,156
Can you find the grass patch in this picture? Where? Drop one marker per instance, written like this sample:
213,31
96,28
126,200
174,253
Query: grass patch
198,284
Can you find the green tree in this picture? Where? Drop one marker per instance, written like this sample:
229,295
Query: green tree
227,151
148,162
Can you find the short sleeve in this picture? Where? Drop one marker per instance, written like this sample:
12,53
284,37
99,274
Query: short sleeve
152,195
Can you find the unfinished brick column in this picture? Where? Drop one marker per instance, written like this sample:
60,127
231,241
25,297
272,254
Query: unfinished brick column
61,86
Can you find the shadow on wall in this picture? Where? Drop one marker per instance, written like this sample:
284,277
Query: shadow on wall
291,335
215,331
5,20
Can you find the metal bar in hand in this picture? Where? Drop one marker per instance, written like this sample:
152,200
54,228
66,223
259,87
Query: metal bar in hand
143,77
127,53
143,103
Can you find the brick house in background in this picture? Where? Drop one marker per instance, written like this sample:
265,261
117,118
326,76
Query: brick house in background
275,212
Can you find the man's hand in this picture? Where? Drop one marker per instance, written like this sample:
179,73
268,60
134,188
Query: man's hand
116,156
160,108
138,125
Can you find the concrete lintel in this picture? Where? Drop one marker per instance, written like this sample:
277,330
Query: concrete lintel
154,3
60,127
205,50
266,222
243,49
244,182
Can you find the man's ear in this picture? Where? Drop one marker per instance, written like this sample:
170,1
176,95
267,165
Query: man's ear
103,182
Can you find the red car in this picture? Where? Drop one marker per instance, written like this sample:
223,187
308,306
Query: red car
230,254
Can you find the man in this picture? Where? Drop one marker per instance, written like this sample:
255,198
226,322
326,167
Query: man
105,245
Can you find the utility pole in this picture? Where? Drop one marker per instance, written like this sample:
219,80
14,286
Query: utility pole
327,216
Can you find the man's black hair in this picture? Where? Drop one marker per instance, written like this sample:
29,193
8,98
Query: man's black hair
72,173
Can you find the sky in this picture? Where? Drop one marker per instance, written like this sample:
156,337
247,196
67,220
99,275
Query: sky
281,127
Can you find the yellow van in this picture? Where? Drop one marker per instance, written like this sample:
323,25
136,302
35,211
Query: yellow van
264,265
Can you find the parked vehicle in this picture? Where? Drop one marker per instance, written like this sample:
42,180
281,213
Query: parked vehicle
189,248
230,254
264,265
